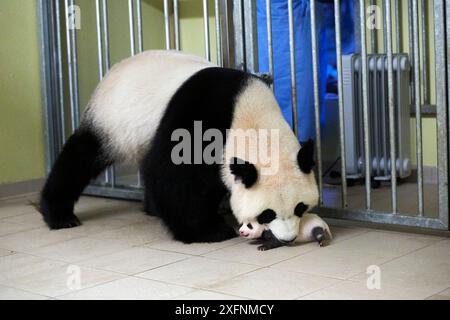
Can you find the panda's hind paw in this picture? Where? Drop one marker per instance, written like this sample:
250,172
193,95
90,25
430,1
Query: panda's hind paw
69,222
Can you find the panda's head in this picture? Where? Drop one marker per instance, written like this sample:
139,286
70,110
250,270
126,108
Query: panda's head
277,201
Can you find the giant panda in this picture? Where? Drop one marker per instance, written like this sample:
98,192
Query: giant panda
132,117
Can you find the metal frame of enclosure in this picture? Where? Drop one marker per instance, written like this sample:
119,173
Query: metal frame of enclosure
236,47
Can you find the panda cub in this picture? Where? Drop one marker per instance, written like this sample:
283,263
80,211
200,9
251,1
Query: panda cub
311,228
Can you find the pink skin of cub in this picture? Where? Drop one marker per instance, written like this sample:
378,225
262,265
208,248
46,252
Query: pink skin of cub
251,230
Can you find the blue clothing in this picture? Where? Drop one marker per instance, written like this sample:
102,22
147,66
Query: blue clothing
304,65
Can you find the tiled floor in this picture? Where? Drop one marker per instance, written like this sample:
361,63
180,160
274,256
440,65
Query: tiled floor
119,253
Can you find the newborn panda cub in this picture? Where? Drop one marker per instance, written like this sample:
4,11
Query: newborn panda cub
311,228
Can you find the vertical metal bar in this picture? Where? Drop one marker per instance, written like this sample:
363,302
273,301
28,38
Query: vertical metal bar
315,62
73,72
242,35
373,33
337,18
398,33
218,33
269,42
206,30
411,48
131,26
110,176
391,106
418,108
99,40
139,25
384,5
106,34
425,85
367,155
442,65
176,18
293,67
167,23
60,72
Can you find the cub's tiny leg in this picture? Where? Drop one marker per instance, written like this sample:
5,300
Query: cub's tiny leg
319,235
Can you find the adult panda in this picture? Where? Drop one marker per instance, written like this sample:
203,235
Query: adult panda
132,117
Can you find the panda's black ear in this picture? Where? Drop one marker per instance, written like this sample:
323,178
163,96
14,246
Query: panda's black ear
266,217
305,157
244,171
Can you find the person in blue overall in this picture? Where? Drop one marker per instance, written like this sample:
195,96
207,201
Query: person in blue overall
303,54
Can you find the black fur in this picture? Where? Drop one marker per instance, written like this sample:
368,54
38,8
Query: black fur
305,157
244,171
319,234
187,196
300,209
81,160
267,216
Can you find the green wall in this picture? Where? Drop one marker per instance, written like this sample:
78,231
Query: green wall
21,130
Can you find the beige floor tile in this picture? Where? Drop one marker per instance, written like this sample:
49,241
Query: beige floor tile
47,277
343,233
78,249
129,289
426,270
331,262
271,284
15,208
5,252
7,228
135,234
134,260
207,295
350,257
358,290
245,252
7,293
389,244
192,249
197,272
32,220
444,295
29,240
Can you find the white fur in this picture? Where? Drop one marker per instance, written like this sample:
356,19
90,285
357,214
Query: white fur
307,223
128,104
256,108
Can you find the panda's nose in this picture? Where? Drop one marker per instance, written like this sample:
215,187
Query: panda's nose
242,234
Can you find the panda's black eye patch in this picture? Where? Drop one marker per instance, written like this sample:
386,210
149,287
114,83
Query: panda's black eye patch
300,209
267,216
250,226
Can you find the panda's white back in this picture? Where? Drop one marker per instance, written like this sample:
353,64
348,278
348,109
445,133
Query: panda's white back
128,104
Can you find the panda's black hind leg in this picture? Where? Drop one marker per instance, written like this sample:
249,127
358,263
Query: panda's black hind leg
80,160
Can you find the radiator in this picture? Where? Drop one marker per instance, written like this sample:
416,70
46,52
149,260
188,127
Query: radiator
378,116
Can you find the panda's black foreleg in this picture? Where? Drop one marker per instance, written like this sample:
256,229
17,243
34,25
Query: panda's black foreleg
80,160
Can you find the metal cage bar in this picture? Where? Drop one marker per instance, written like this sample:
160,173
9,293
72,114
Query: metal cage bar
293,67
167,24
269,42
139,26
337,18
218,31
418,107
364,71
176,24
315,62
71,38
206,30
391,107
